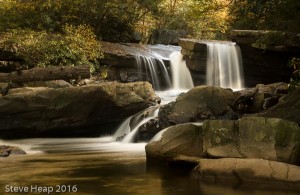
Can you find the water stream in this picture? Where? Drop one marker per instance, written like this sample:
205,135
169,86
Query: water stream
224,65
104,166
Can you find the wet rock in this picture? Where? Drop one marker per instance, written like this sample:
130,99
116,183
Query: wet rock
5,151
184,139
266,51
253,137
51,84
269,102
274,88
200,103
249,137
258,99
221,138
87,110
148,130
287,108
258,172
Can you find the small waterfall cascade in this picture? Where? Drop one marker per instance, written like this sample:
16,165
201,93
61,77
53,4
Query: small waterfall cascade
224,65
150,62
151,65
127,131
181,76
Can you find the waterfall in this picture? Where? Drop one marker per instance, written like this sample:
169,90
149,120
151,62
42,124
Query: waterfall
181,76
151,67
224,65
128,132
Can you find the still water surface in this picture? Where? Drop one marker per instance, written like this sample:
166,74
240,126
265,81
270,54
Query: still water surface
98,166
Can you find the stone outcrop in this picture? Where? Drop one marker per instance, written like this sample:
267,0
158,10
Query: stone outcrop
287,108
260,98
258,172
251,151
253,137
71,111
200,103
195,54
266,55
115,54
205,102
249,137
268,40
6,151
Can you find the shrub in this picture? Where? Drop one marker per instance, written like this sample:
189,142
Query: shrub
76,46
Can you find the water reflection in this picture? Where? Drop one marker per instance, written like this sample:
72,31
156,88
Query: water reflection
99,166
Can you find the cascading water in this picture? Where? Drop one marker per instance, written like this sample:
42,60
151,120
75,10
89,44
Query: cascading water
181,76
152,67
150,64
127,132
224,65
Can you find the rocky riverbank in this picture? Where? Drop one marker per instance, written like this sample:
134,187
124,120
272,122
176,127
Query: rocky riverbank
88,110
243,140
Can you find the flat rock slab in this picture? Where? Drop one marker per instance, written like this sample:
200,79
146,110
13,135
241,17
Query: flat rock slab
248,171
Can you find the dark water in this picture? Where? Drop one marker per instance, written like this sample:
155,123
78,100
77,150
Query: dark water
98,166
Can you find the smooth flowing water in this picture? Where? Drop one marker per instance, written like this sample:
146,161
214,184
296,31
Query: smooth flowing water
151,63
99,166
181,76
224,65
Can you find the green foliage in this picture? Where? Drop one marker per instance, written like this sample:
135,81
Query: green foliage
77,46
294,63
111,20
282,15
199,18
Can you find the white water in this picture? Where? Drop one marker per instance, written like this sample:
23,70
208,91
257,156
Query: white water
150,64
181,76
61,145
224,65
151,67
129,138
130,132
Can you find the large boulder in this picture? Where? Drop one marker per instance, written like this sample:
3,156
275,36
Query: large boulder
287,108
258,172
86,110
200,103
197,105
253,137
184,139
249,137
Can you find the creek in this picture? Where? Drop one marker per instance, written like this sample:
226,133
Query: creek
104,166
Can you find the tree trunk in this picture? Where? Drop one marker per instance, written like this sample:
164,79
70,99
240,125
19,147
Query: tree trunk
46,74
